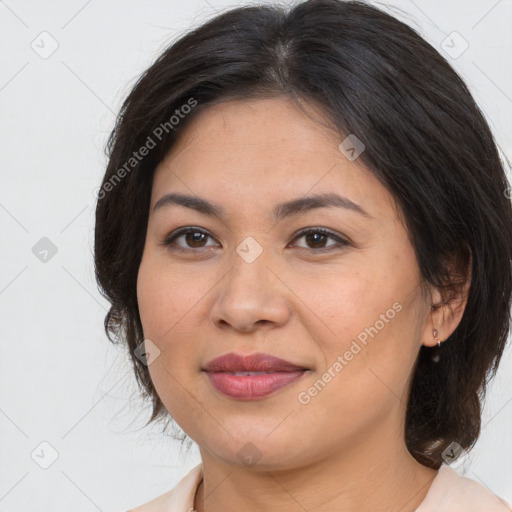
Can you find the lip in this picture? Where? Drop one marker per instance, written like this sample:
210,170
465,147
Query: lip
273,374
250,363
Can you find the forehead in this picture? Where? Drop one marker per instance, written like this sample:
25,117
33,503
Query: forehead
246,127
268,149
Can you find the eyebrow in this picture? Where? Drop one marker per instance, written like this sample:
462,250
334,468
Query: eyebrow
281,211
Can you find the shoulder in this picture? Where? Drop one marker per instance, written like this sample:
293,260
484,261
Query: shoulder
451,492
159,504
180,498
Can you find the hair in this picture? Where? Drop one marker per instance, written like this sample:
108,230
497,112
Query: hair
425,140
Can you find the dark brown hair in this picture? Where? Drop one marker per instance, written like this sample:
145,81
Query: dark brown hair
426,141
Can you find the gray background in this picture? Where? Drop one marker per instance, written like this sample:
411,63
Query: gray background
61,381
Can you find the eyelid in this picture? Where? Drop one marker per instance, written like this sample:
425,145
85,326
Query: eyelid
341,240
167,241
319,229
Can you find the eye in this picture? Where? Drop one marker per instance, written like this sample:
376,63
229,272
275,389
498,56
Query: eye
318,236
193,235
195,238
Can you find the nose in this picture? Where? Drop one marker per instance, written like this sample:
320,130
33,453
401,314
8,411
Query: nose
251,294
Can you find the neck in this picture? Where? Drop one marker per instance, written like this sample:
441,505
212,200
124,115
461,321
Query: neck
352,481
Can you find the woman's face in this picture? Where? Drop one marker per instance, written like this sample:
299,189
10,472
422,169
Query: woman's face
345,308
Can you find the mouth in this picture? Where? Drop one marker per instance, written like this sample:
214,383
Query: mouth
251,377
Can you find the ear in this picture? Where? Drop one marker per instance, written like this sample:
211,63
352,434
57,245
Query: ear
448,305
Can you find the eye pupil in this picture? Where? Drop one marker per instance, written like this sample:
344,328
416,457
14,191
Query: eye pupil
318,237
195,239
196,236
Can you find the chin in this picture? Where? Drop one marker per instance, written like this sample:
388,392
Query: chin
260,450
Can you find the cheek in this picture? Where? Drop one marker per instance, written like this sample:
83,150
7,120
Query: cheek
153,300
373,329
166,300
164,296
366,381
348,303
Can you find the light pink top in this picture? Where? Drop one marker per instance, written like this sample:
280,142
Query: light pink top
449,492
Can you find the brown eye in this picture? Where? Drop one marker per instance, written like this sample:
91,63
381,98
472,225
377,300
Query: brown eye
194,238
317,238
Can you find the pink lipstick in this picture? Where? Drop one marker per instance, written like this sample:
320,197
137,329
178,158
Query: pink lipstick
251,377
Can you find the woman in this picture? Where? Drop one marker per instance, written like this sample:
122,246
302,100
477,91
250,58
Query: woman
305,234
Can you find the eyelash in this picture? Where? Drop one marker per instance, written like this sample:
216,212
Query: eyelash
168,241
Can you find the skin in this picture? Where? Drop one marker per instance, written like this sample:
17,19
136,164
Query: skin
345,449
